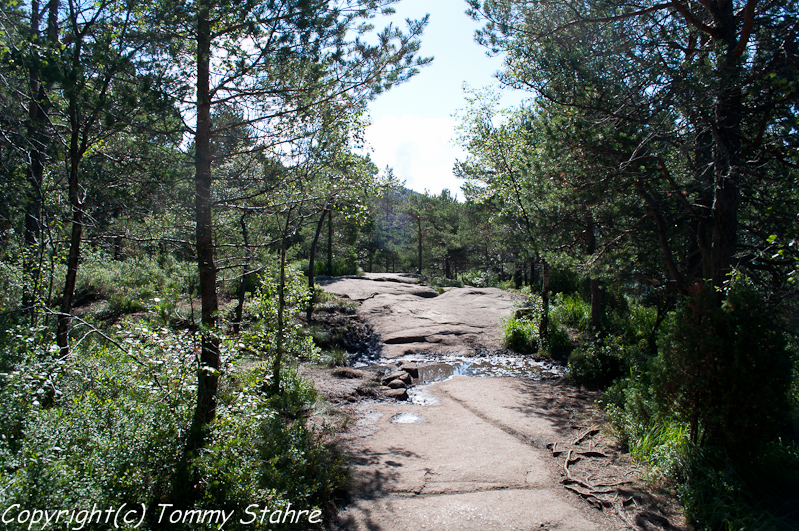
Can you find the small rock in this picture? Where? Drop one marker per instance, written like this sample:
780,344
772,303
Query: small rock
399,375
397,384
398,394
411,368
346,372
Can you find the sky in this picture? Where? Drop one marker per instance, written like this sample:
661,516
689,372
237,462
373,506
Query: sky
413,124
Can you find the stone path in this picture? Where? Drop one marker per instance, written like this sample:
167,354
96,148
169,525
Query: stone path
474,460
411,317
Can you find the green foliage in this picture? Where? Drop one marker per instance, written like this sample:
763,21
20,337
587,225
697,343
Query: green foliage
746,486
725,370
438,282
479,278
261,338
558,344
11,278
600,362
570,310
336,357
720,492
716,490
107,426
338,268
260,455
134,283
100,427
521,335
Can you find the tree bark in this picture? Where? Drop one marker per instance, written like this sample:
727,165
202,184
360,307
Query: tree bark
281,308
312,265
244,275
596,292
75,153
727,153
419,226
208,379
38,111
330,241
543,329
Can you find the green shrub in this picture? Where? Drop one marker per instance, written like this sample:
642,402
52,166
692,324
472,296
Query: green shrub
521,335
564,280
558,344
570,311
262,452
106,426
718,491
599,363
338,268
725,370
440,282
99,427
479,279
131,284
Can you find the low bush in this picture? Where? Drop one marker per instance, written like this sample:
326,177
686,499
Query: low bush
338,268
521,335
704,413
479,279
108,424
440,282
725,371
570,310
134,283
599,363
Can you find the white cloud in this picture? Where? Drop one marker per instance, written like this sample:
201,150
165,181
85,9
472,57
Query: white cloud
418,149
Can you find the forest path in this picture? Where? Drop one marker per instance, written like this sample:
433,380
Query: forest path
471,454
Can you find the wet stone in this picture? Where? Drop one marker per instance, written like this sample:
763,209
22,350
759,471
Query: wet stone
398,375
411,368
408,417
398,394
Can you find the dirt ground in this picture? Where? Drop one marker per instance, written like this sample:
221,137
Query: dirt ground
475,453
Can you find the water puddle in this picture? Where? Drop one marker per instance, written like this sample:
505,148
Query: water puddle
421,396
407,417
438,368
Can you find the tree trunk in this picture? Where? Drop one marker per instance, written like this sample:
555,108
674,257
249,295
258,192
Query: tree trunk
68,295
543,329
419,232
244,275
330,242
596,292
312,265
38,111
75,154
281,308
727,153
208,379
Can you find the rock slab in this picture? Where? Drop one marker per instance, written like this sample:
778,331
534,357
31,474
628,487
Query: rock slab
413,318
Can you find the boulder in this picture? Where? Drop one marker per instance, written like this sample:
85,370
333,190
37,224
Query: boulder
398,375
398,394
411,368
397,384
